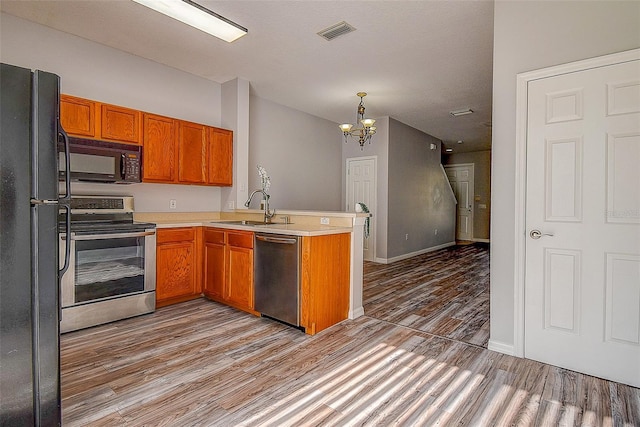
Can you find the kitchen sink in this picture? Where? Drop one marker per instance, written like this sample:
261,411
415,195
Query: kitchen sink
244,222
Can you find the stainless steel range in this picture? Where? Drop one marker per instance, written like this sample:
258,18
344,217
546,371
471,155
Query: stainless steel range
112,271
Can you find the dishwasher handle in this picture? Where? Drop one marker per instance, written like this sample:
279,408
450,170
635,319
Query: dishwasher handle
281,240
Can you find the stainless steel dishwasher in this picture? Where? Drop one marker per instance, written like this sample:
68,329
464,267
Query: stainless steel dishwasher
277,277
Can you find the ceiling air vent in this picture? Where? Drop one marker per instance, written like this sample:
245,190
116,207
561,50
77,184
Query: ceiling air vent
336,31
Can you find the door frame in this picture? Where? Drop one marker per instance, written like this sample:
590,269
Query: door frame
522,85
472,168
374,207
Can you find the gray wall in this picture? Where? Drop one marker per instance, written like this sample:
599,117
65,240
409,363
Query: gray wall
530,36
379,148
481,187
301,153
413,196
420,199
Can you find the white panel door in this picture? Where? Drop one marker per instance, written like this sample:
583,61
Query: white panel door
361,187
461,178
582,286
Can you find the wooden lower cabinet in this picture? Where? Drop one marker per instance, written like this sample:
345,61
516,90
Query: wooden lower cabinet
178,265
228,267
214,264
324,283
324,287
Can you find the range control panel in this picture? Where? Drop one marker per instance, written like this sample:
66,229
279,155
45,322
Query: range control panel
101,204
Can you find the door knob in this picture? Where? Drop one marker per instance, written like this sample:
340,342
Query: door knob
536,234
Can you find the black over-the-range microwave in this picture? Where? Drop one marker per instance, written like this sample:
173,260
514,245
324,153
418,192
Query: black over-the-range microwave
101,161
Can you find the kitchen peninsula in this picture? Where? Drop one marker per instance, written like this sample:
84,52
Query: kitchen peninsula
211,254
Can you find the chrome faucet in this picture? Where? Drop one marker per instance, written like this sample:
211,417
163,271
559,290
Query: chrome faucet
267,213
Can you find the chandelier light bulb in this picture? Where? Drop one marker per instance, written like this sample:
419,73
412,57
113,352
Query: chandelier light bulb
346,127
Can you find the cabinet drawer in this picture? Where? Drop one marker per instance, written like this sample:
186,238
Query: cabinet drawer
239,239
213,236
165,235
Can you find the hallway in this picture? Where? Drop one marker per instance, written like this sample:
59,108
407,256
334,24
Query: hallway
444,293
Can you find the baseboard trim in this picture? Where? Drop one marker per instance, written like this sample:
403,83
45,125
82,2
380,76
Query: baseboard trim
354,314
481,240
416,253
501,347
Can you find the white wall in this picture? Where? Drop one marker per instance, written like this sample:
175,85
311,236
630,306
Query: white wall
94,71
529,36
301,153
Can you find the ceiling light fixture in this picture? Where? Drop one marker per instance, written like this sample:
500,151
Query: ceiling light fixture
461,112
364,132
449,150
197,16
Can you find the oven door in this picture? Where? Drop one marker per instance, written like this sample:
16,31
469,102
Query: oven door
108,266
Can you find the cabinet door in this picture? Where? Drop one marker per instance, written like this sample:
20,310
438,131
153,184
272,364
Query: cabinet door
214,264
78,116
159,149
324,289
239,290
175,273
177,267
120,124
220,157
192,150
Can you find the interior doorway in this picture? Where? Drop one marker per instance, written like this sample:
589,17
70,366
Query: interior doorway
461,178
579,263
361,188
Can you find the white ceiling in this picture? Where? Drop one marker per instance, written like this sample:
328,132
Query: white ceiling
417,60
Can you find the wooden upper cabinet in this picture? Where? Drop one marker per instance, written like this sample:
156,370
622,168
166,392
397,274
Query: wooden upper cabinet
159,141
192,151
220,157
175,151
78,116
120,124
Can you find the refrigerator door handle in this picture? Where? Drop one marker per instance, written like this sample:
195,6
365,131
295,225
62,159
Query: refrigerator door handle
67,161
65,202
67,245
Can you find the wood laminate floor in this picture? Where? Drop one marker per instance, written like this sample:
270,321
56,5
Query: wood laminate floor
444,293
200,363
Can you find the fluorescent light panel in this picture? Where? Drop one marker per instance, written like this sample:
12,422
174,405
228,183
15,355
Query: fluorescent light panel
198,17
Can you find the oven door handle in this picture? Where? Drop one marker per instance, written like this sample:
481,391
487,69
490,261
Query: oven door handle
109,235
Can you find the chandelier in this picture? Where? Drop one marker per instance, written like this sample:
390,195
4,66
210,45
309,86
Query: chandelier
363,132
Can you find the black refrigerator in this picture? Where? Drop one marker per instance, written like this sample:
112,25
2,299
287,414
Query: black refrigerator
29,205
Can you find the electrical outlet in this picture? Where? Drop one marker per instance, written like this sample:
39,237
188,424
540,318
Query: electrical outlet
172,204
435,231
231,205
406,237
324,220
